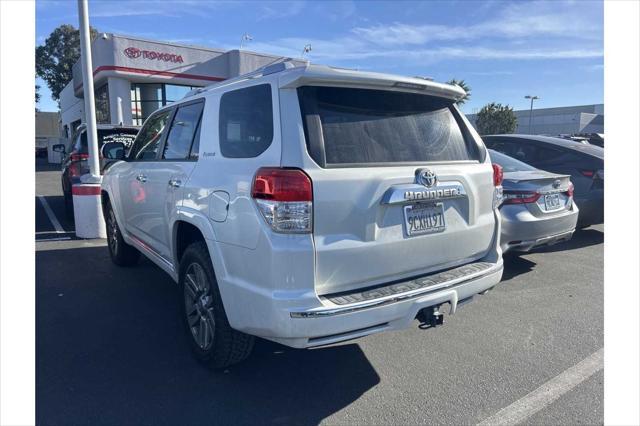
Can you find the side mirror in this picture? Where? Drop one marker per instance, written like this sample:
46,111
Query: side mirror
113,151
59,148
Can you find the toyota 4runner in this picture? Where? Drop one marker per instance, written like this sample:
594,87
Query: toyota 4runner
308,205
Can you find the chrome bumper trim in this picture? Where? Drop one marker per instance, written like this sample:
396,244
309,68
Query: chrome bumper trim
330,311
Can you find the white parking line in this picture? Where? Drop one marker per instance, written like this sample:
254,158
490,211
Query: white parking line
51,215
548,392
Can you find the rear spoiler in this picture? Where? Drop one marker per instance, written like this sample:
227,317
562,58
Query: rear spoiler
327,76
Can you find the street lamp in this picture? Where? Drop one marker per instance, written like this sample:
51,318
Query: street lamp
531,109
245,37
306,49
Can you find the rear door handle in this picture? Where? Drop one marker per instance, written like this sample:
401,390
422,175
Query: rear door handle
175,183
141,178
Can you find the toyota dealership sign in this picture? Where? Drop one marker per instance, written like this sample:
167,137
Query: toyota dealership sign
135,53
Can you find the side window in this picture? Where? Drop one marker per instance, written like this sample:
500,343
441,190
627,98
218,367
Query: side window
146,145
182,132
246,122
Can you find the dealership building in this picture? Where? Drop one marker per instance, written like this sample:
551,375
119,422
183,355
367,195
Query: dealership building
133,77
559,121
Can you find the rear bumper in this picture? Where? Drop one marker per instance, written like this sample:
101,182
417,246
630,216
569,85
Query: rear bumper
522,231
331,323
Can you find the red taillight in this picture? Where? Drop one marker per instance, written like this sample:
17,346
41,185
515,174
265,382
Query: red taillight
277,184
79,157
588,173
497,174
284,198
513,197
570,190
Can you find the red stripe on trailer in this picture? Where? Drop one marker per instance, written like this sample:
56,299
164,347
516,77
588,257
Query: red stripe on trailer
85,190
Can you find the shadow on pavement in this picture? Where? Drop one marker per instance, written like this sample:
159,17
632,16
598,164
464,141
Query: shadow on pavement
515,265
581,238
56,203
110,350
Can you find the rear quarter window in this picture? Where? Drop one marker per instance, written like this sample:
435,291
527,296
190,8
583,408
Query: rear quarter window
246,122
348,126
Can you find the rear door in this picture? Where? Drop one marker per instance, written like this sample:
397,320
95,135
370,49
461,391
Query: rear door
401,187
177,160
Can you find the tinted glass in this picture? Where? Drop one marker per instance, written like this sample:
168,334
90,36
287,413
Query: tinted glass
126,136
148,140
183,129
246,122
195,147
362,126
509,164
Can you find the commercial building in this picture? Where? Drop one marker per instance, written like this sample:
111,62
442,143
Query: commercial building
559,121
133,77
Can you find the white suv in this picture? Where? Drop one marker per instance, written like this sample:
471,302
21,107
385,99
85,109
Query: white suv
309,205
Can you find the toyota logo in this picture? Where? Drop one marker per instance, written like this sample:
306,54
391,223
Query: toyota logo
132,52
426,177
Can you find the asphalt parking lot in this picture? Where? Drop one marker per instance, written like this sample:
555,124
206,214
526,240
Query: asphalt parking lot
110,348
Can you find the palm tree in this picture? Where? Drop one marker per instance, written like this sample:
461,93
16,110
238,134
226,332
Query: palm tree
464,86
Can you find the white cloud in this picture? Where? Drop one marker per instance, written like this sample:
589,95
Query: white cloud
519,20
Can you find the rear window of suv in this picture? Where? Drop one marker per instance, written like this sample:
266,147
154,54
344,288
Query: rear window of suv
348,126
124,135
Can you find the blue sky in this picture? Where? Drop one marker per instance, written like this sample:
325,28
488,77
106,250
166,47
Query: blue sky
502,49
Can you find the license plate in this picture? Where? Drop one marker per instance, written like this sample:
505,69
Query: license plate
552,201
424,219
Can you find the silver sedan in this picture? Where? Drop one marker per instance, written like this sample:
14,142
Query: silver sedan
537,207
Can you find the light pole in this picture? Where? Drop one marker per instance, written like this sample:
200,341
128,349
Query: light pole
531,109
245,37
87,84
306,49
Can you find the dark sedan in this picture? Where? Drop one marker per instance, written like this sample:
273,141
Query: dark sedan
75,163
583,162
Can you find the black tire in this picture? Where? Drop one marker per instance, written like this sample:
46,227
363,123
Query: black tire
202,308
122,254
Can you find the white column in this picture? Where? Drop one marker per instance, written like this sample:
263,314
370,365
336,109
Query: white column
120,100
87,84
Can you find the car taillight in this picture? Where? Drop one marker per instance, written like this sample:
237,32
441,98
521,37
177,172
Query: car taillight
77,161
570,190
79,157
520,197
588,173
285,199
498,175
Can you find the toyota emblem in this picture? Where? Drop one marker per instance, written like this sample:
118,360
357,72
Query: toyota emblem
426,177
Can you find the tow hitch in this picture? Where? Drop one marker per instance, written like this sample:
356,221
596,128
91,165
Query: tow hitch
430,317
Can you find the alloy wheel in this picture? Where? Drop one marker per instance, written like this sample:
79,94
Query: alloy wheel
112,232
199,306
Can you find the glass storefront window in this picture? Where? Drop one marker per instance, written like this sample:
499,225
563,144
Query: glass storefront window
148,97
102,105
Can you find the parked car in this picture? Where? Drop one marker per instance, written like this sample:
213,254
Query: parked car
583,162
75,163
308,205
537,208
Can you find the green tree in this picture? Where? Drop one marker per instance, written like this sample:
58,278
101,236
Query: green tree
55,58
495,118
464,86
37,96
